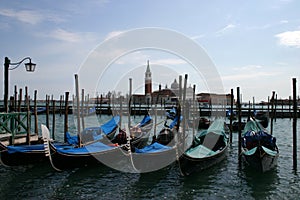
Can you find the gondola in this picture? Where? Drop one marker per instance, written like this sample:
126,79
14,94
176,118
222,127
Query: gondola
24,154
62,158
164,148
94,151
208,148
259,149
112,153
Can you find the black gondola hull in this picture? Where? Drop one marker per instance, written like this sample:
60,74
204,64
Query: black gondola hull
260,160
15,159
112,157
190,165
148,162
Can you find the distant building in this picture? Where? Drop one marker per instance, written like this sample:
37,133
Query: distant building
214,98
171,94
148,84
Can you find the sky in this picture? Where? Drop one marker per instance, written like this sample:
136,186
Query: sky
254,45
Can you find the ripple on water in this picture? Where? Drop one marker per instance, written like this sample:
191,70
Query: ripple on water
224,181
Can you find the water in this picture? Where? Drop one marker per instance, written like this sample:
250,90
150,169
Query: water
224,181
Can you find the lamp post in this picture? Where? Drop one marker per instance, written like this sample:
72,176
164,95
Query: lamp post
30,67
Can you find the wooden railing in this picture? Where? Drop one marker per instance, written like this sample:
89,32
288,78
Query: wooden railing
15,124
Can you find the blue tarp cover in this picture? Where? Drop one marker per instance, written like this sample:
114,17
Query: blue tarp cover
25,148
145,120
109,126
254,135
171,113
71,139
155,147
29,148
91,148
174,122
106,128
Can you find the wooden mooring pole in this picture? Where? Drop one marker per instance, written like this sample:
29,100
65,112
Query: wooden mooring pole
194,111
240,125
290,100
15,98
66,116
60,104
83,109
294,125
272,112
129,103
20,100
78,109
275,109
53,117
36,128
231,116
28,139
47,111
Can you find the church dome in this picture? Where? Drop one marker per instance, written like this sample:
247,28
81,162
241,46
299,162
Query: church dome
175,85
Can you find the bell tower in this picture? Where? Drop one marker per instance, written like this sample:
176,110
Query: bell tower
148,83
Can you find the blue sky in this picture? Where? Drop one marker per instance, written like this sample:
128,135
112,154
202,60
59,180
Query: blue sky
255,45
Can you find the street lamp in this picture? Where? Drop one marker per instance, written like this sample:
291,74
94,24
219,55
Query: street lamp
30,67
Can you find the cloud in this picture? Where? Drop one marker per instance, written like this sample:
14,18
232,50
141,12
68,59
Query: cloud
30,16
68,36
268,26
260,27
225,29
249,72
64,35
289,38
283,22
286,1
248,68
248,76
27,16
197,37
113,34
169,61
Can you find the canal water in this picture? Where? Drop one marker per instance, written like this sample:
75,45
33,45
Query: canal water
224,181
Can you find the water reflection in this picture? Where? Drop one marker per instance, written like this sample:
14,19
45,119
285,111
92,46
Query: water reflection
261,185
